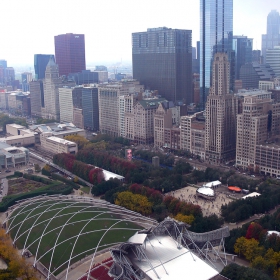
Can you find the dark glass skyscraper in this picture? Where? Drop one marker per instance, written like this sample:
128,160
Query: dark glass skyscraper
243,48
90,108
162,60
216,31
40,63
70,53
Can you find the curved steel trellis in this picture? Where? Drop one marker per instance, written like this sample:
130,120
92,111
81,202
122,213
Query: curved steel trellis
41,202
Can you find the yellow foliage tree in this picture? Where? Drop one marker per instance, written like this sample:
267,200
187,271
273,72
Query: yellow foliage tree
184,218
79,140
134,202
17,265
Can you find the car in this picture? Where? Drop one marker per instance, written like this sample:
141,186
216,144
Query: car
253,176
7,171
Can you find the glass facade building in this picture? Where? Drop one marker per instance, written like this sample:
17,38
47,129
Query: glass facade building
70,53
90,108
162,60
40,63
216,31
243,48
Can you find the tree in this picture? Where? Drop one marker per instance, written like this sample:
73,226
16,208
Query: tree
184,218
17,266
134,202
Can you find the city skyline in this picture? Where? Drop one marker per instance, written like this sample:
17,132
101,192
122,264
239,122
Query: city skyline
108,26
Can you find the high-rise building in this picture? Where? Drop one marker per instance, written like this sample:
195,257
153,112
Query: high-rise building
90,108
243,47
26,78
66,102
162,60
273,59
258,122
256,56
112,106
70,53
36,97
220,114
216,31
272,36
40,64
52,83
3,63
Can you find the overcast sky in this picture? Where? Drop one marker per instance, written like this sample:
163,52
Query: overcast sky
29,26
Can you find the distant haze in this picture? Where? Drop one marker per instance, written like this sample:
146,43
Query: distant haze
29,26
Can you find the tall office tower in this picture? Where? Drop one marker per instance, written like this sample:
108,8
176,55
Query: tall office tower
216,31
36,97
52,83
162,60
220,114
272,36
70,53
243,47
26,78
40,64
273,59
90,107
67,97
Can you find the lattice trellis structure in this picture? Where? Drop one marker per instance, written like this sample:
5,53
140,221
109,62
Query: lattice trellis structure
44,214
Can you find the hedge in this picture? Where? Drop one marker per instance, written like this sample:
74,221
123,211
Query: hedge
68,182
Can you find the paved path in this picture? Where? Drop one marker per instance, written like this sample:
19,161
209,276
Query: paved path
208,207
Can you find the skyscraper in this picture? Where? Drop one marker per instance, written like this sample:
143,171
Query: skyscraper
90,108
273,59
162,60
243,48
52,83
272,38
216,30
220,114
70,53
40,64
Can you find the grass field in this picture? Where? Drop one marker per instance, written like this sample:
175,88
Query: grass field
50,224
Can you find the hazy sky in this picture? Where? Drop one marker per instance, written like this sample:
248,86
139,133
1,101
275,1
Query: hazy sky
29,26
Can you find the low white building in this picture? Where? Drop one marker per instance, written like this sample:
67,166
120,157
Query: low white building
57,145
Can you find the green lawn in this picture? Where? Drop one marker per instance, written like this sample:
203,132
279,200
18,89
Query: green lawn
85,189
104,219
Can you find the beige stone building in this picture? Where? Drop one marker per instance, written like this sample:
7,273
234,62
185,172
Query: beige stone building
144,111
258,130
165,118
193,134
220,114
